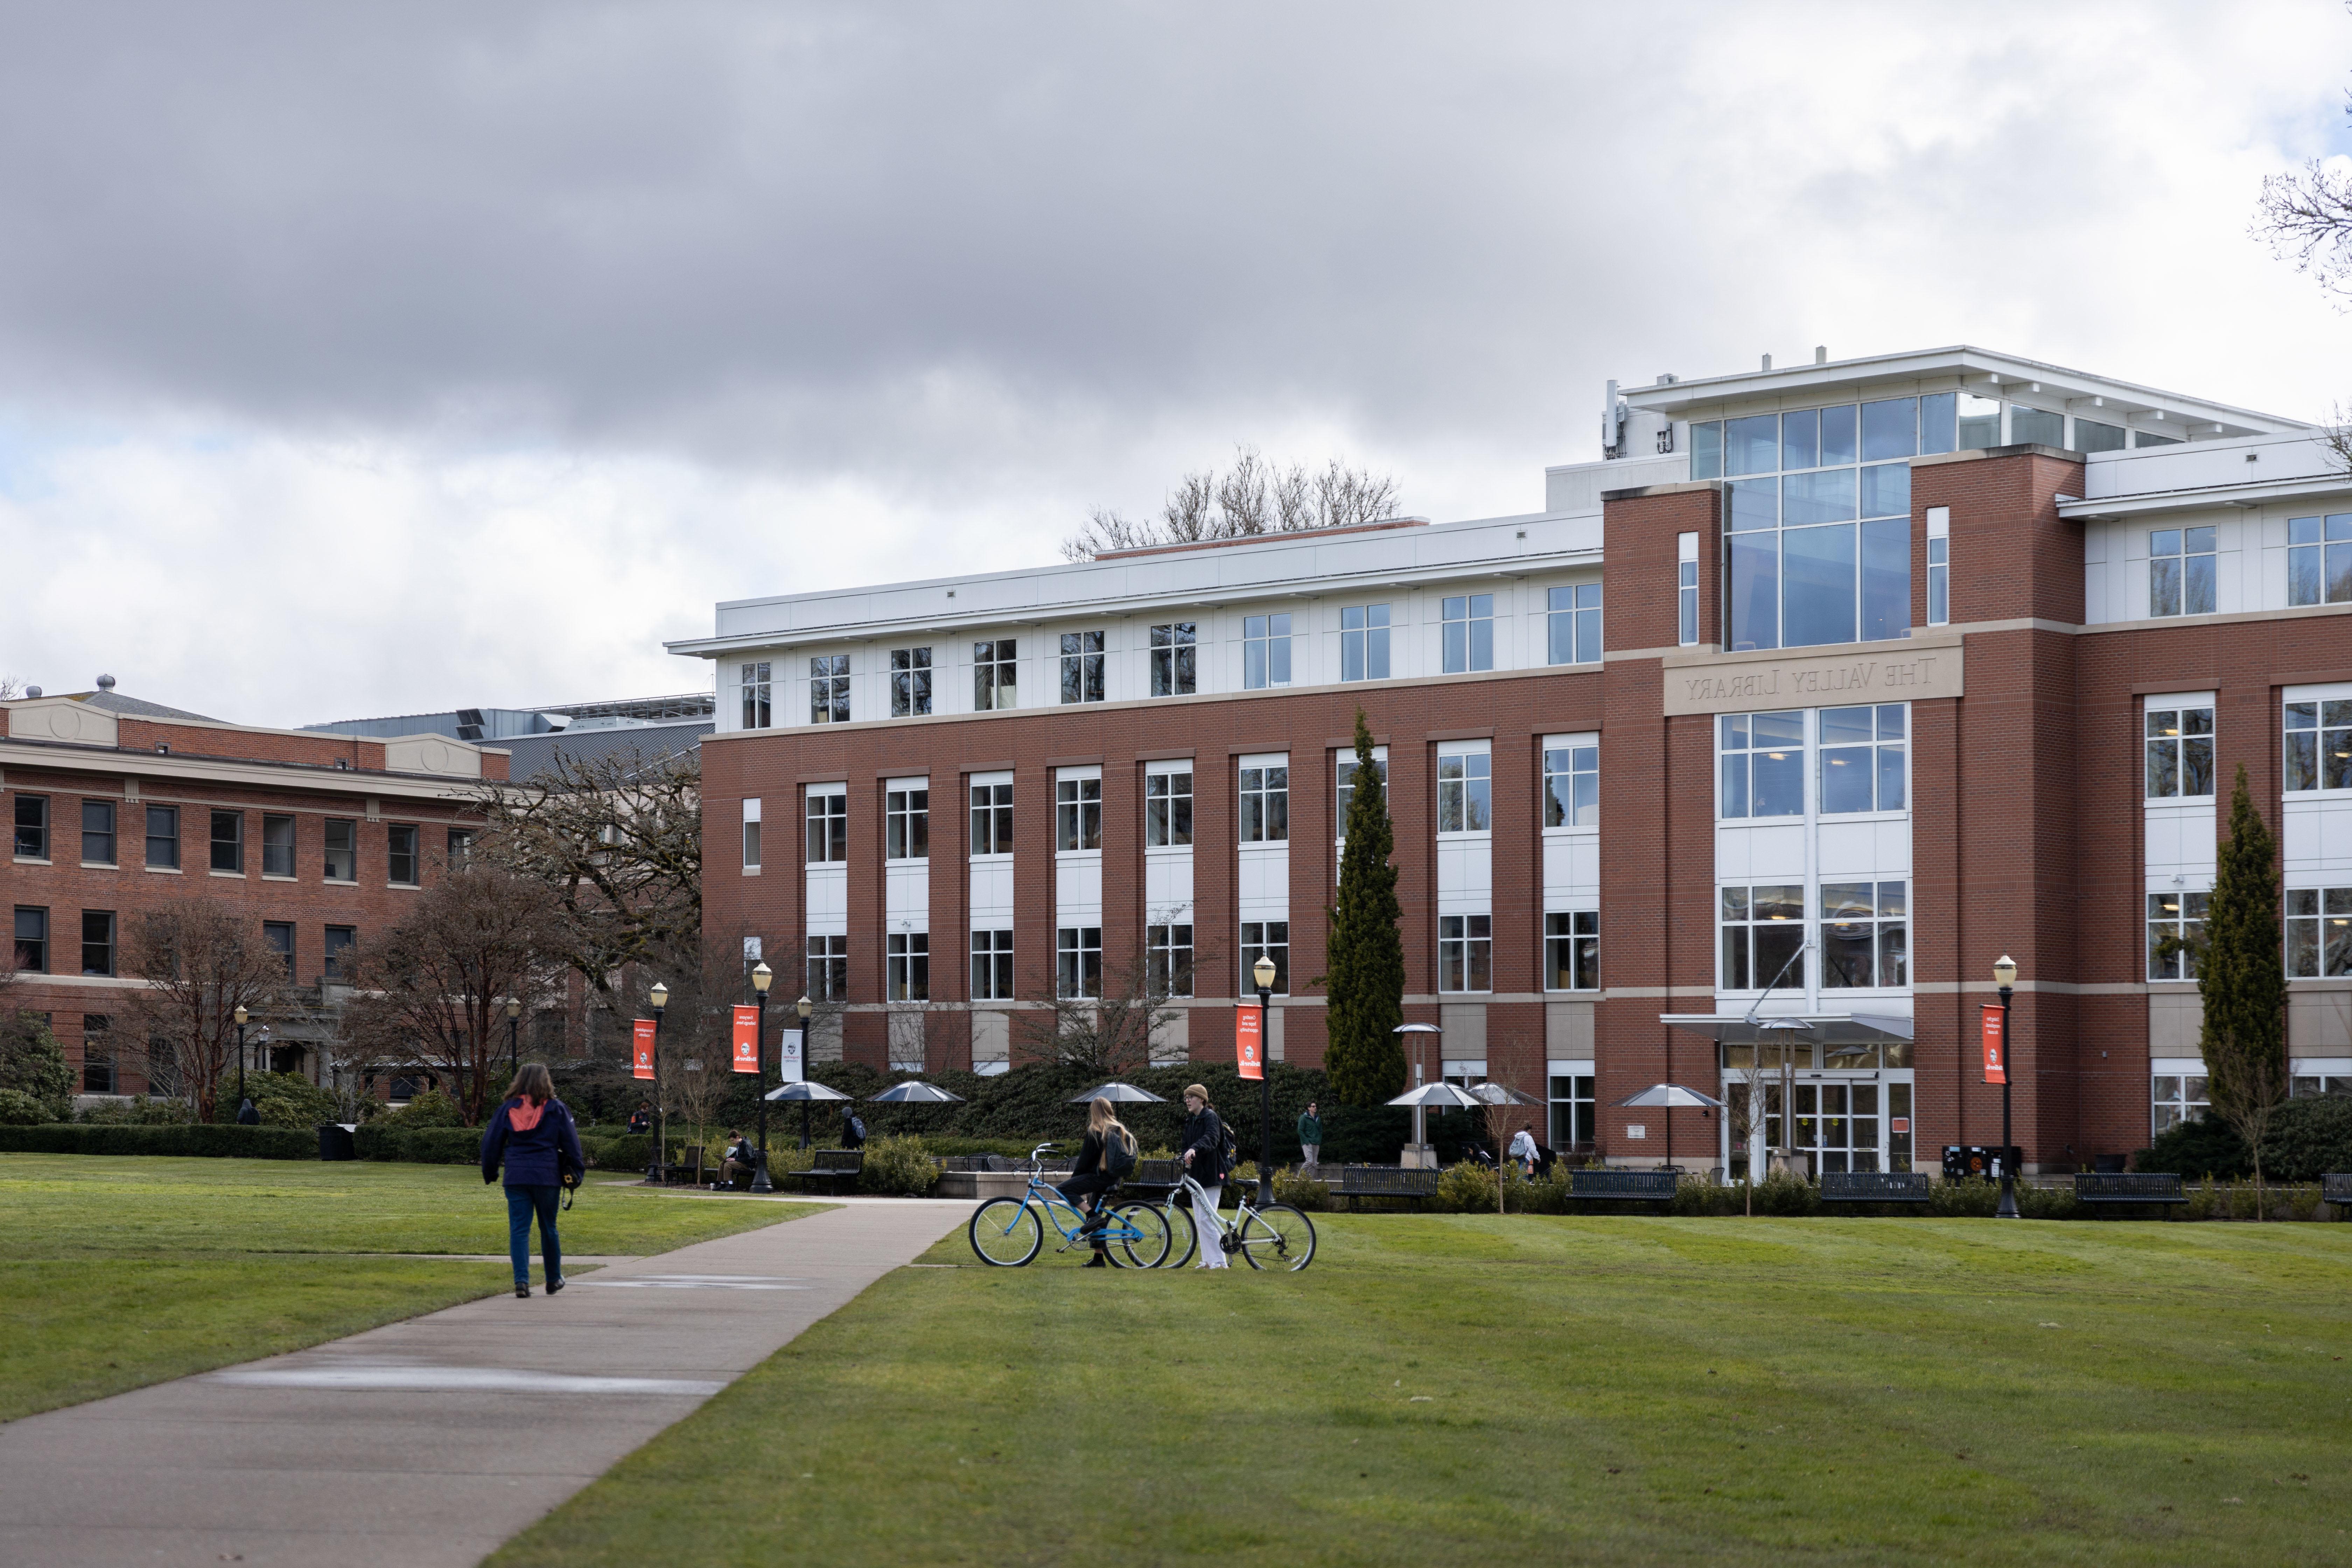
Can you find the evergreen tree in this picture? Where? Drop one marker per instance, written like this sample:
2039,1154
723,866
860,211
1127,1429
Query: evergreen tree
1365,1058
2242,977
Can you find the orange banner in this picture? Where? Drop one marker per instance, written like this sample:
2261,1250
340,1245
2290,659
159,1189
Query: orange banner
1996,1047
746,1040
1249,1041
644,1049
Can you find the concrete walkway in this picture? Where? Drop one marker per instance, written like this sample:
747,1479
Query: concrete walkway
432,1441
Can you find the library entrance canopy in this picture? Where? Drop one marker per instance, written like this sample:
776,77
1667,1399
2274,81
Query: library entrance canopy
1830,1029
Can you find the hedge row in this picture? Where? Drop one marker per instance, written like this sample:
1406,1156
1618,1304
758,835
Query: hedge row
419,1145
185,1139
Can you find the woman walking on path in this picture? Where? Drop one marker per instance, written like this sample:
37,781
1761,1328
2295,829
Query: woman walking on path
534,1137
1204,1161
1109,1146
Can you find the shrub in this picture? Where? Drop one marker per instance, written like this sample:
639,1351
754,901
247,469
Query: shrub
33,1063
1300,1192
2308,1138
418,1145
18,1108
894,1166
1465,1188
430,1109
199,1139
2201,1146
141,1112
289,1100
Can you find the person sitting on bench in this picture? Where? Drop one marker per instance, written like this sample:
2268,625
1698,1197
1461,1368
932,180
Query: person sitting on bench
740,1156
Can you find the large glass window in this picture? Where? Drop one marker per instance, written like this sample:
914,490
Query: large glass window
1364,642
907,825
2319,560
228,841
1082,667
2035,426
2318,932
2175,1098
992,819
1466,791
1265,651
1822,553
163,838
1174,658
911,682
2176,932
1269,939
829,689
2180,571
2319,745
1167,809
1265,805
1763,932
404,867
1078,816
828,968
1572,624
98,942
98,1073
1465,952
1862,759
276,844
1168,960
1572,786
828,812
1571,1111
1864,939
994,668
32,841
343,850
1469,633
2180,753
907,958
1573,951
756,689
1077,952
1763,765
991,966
32,940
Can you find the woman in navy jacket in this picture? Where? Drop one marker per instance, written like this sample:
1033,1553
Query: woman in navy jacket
533,1136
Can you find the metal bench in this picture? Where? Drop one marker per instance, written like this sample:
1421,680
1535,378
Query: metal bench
2129,1187
1416,1183
2336,1188
833,1167
1874,1186
1603,1185
1153,1179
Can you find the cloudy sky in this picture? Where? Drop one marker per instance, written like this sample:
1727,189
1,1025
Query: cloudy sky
361,360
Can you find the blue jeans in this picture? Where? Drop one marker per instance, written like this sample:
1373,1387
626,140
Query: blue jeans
522,1202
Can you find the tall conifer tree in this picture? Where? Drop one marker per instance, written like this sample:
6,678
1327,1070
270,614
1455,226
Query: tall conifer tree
2241,975
1364,1057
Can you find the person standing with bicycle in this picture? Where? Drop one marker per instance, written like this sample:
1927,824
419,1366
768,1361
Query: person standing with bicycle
1104,1160
1204,1162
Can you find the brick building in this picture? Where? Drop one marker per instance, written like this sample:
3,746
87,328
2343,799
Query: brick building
1823,690
117,805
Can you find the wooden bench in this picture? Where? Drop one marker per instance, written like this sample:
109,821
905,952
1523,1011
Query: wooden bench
1416,1183
833,1167
1874,1186
2129,1187
2336,1188
1602,1185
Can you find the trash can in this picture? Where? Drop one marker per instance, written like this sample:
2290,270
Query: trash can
335,1142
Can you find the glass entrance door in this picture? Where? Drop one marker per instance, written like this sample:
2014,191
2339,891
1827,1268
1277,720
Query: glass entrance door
1841,1124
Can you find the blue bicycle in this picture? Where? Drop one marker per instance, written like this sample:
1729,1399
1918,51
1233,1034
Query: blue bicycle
1007,1233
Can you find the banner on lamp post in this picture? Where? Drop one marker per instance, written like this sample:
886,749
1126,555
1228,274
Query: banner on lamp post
1996,1046
1249,1041
789,1066
642,1051
746,1040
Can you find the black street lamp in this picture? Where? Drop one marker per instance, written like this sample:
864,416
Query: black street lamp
2004,974
804,1007
241,1015
1263,973
761,978
514,1049
659,997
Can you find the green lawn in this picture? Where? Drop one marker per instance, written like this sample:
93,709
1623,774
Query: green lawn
1610,1391
120,1272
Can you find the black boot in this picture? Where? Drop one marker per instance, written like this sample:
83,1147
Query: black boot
1101,1259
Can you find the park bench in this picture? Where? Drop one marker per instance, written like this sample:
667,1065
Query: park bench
2336,1188
2129,1187
1874,1186
1153,1179
833,1167
1603,1185
1416,1184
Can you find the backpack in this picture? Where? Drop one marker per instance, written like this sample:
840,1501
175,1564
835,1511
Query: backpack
1118,1155
1229,1153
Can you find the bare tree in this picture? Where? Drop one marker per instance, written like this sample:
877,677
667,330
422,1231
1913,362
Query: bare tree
1110,1033
1253,497
9,686
2307,218
201,962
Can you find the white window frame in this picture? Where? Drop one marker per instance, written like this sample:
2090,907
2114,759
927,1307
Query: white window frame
1265,651
751,838
1578,760
1370,637
1000,809
835,836
1939,565
991,946
1271,938
995,674
1089,664
911,688
907,959
2312,914
1726,726
1572,612
1464,942
2181,597
2331,713
1171,673
2175,911
2180,738
1687,589
1577,938
1077,802
1165,806
1343,773
1167,955
758,691
1072,973
1890,731
1264,794
1472,782
902,814
1890,902
829,689
1470,618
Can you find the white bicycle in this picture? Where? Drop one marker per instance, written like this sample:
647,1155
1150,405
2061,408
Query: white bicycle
1275,1236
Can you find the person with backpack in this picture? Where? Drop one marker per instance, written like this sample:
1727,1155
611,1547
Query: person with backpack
533,1138
1208,1155
853,1130
1105,1159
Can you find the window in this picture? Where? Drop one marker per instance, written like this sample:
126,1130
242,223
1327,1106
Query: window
1078,816
2037,427
2180,571
279,937
1864,941
2180,753
2319,560
1265,805
163,836
1364,642
1082,667
228,841
98,1070
992,819
2319,745
1763,765
2302,1086
908,959
1979,422
342,855
1173,657
341,940
1265,651
829,689
757,713
32,827
2091,436
402,863
750,835
1939,565
1077,953
1572,1118
1469,633
1763,931
2176,932
1822,552
1168,810
1572,786
993,666
1269,939
97,832
828,826
1862,759
1573,951
98,942
907,823
828,968
1465,952
991,966
1168,960
1572,623
1686,588
276,845
1466,791
911,682
461,844
2318,932
1344,769
32,940
2175,1098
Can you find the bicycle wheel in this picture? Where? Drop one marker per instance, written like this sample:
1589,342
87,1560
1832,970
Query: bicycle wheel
1005,1232
1145,1249
1277,1237
1184,1237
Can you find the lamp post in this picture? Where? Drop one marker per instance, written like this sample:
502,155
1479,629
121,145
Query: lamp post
804,1007
241,1015
514,1046
2004,974
761,978
1263,973
659,997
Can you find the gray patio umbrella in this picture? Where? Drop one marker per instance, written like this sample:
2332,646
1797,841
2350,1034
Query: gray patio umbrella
1493,1093
1120,1094
914,1092
1671,1095
1442,1094
805,1092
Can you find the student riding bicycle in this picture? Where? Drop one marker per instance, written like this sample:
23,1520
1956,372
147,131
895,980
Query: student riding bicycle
1104,1160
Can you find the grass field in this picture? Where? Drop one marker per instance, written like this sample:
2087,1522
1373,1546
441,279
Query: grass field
120,1272
1594,1391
